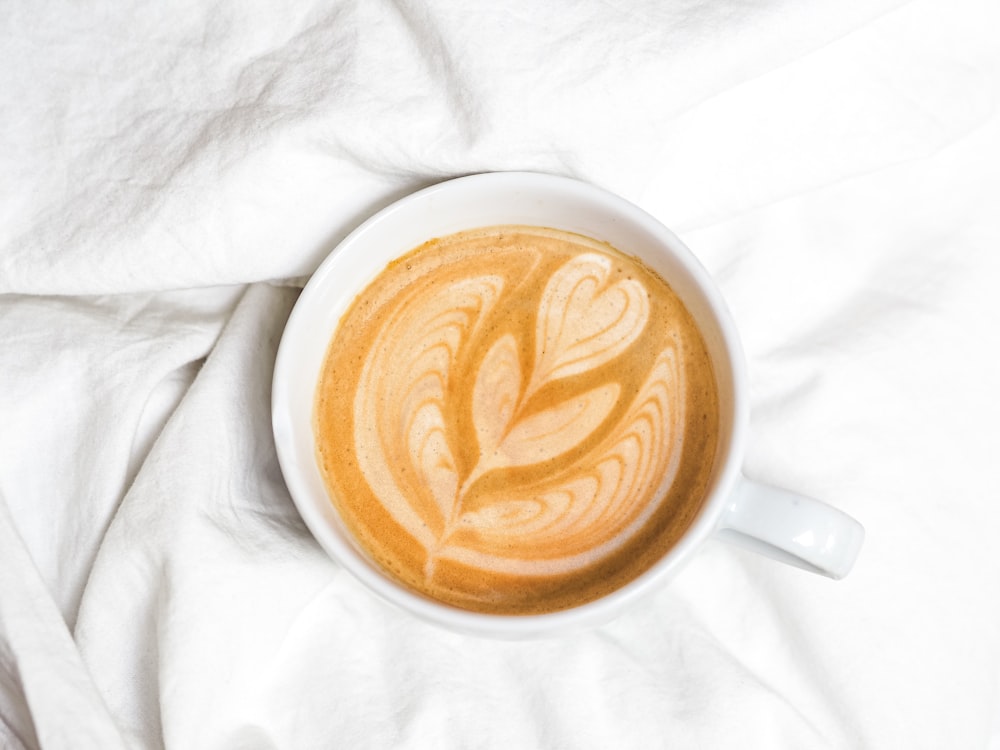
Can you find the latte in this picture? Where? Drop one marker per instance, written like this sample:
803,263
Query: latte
516,420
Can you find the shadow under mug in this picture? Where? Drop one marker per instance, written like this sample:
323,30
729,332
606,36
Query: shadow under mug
780,524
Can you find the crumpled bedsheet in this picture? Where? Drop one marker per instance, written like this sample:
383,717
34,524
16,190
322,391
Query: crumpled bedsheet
171,173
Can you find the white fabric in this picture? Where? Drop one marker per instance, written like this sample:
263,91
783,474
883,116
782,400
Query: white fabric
170,173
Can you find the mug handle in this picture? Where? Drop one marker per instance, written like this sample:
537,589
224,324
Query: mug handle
791,528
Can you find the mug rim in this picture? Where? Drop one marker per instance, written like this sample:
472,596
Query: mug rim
320,514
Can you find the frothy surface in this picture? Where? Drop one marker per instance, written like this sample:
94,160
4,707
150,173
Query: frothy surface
516,419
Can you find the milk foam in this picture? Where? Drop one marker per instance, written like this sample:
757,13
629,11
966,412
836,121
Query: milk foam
592,505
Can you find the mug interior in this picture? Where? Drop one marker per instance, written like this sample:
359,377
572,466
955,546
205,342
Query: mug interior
468,203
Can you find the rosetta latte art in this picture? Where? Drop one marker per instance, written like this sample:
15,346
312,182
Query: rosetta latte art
592,501
516,419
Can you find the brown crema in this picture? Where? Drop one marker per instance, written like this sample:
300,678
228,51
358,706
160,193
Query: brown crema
516,420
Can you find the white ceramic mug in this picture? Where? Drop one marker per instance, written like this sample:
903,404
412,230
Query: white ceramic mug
777,523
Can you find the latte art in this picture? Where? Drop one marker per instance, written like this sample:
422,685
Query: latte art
516,419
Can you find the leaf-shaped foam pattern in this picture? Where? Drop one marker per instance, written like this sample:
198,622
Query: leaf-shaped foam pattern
400,402
599,498
582,321
551,432
496,393
431,455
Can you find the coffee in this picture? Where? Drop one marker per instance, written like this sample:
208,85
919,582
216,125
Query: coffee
516,420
